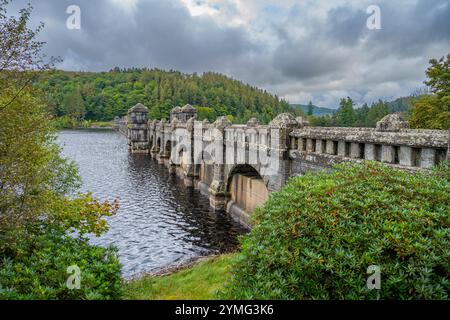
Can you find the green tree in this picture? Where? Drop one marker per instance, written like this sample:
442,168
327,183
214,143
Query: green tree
310,109
362,115
74,104
376,112
38,188
357,215
433,111
345,115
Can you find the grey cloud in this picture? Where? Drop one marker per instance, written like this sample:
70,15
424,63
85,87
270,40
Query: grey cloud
296,54
158,33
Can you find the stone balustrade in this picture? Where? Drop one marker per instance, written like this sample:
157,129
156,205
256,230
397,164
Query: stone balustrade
408,148
237,165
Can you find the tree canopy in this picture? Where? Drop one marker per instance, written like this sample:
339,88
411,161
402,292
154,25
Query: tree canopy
105,95
432,111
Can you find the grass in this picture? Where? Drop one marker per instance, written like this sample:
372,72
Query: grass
199,282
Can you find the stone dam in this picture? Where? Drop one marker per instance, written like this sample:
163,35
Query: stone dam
238,165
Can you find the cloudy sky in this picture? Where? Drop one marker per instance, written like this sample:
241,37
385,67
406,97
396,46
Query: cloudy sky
301,50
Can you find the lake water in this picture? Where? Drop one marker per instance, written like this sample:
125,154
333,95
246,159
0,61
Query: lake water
160,221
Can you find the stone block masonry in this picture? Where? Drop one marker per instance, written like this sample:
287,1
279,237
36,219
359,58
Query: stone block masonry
238,165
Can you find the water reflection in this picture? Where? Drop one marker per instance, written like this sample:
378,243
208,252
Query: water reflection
160,222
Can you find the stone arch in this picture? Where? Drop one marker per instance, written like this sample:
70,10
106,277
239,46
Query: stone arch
246,187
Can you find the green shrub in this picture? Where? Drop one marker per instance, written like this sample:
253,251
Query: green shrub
40,271
316,238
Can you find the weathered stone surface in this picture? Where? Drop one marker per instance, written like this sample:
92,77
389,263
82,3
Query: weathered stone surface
393,122
221,123
410,137
387,154
427,158
284,120
253,122
138,108
138,129
369,151
302,122
405,156
287,146
354,150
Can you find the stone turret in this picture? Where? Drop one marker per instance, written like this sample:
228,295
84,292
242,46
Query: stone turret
174,114
138,129
183,114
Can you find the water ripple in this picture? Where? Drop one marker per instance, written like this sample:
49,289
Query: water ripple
160,222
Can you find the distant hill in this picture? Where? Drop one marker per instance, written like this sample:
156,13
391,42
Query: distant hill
105,95
317,111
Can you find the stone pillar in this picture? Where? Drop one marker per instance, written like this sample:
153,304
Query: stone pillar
354,150
427,158
137,129
152,133
387,154
330,147
163,155
309,145
301,142
369,151
405,156
280,163
191,175
318,146
341,148
218,194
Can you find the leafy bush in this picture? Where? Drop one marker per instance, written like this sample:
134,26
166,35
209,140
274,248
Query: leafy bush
316,238
38,204
39,271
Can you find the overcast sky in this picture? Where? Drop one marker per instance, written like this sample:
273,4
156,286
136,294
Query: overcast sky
300,50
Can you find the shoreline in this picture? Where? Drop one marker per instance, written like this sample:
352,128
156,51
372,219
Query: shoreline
170,270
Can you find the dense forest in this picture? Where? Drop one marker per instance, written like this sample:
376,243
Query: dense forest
102,96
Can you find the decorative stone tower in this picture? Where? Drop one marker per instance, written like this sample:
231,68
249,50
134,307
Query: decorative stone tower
280,129
187,112
137,129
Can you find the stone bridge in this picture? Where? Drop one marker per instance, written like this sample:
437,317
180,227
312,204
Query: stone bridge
237,166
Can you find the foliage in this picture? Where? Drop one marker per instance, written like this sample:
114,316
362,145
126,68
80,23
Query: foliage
432,111
37,186
39,270
108,94
345,115
348,116
199,282
376,112
316,238
310,109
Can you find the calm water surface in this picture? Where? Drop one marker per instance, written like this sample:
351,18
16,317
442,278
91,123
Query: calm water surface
160,222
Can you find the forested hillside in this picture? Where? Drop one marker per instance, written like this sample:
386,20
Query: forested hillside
102,96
